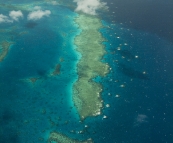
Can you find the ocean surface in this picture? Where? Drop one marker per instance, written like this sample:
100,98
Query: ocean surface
138,88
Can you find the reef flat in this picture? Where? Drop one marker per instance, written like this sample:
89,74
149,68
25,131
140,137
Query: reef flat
60,138
4,48
89,43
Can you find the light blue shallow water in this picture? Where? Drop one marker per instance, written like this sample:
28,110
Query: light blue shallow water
30,111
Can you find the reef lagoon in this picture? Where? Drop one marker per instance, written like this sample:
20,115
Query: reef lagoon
78,72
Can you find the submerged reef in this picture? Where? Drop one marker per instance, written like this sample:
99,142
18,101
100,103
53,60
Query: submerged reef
89,43
56,70
60,138
33,79
4,48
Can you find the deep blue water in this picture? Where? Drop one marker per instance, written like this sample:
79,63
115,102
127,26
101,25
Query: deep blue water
142,113
141,61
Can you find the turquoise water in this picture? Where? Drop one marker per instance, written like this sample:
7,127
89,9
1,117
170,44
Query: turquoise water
138,87
29,109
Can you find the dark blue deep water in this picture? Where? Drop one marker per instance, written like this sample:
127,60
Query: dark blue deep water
138,87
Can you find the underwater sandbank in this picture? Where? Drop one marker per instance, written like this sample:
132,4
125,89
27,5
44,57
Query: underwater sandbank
89,43
60,138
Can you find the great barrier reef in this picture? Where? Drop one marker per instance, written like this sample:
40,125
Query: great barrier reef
86,71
